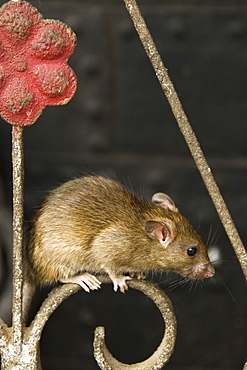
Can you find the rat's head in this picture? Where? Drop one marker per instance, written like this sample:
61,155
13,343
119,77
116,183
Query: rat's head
180,247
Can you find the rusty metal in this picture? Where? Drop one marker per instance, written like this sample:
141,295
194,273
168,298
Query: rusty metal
34,72
18,176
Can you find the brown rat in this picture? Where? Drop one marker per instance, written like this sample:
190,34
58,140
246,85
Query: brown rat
94,225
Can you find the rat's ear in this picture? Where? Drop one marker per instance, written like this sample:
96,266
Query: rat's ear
159,231
163,200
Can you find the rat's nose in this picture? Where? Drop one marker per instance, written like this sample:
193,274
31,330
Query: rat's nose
209,270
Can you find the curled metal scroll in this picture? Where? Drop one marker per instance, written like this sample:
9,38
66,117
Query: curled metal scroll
29,357
103,357
161,356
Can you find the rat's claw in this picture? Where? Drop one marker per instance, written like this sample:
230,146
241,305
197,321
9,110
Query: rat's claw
86,281
120,282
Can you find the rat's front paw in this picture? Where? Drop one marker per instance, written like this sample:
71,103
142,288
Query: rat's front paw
86,280
120,282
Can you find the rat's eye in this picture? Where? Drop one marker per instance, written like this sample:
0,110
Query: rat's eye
192,251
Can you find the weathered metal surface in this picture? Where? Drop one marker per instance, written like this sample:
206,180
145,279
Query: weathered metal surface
30,80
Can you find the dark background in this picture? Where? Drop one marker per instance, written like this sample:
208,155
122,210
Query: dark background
120,123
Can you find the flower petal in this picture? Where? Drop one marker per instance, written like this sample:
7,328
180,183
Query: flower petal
17,19
18,103
53,40
58,82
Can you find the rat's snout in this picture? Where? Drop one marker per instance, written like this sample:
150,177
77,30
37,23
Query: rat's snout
204,270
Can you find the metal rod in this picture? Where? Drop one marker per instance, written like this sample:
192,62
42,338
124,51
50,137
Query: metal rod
187,131
18,176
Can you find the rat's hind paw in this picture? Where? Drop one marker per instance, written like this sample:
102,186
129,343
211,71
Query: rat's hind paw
86,281
138,275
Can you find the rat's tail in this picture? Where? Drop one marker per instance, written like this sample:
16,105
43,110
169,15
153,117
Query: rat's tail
27,294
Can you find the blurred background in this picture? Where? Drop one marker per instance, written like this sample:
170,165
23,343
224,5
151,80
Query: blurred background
119,124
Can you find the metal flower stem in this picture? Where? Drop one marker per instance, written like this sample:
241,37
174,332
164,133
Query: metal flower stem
18,176
187,131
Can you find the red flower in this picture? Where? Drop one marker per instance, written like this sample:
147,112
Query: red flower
33,63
